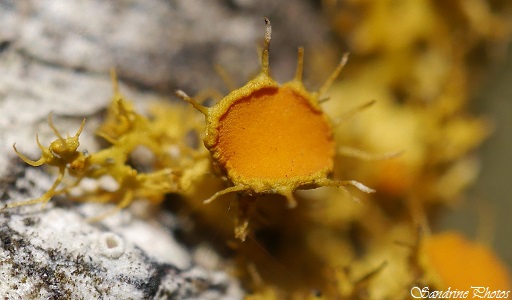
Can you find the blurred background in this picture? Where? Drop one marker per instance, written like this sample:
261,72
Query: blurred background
489,202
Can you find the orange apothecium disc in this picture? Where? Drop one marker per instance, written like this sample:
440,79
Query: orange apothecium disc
272,138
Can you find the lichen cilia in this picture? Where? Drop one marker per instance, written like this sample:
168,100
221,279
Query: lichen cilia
270,138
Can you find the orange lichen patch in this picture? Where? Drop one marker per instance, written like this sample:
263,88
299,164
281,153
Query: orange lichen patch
281,134
452,261
271,138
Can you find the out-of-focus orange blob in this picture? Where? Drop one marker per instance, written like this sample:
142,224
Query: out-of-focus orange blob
460,264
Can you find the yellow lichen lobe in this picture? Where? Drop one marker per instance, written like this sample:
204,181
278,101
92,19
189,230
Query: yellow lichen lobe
274,134
61,153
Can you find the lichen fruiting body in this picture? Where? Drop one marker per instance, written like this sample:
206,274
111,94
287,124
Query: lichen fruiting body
272,139
285,138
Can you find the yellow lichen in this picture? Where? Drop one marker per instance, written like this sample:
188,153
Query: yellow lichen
268,140
125,130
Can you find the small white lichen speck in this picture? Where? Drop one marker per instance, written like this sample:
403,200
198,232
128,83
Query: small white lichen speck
110,245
